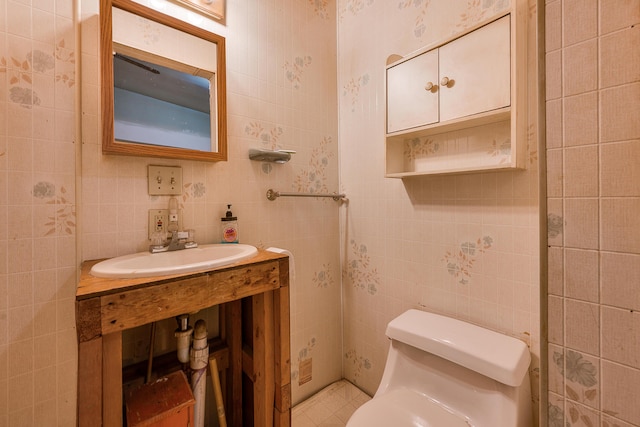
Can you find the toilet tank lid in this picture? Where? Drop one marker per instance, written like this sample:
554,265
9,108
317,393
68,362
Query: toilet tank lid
492,354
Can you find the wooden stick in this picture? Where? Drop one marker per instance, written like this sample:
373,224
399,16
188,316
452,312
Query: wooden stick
151,346
215,380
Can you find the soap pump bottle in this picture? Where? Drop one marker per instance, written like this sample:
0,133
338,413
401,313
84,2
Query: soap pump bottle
229,227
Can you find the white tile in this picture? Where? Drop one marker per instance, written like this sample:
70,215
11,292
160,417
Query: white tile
331,406
332,421
300,419
346,411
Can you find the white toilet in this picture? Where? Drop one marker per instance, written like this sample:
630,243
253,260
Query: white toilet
443,372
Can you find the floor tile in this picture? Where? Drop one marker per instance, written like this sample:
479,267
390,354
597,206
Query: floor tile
330,407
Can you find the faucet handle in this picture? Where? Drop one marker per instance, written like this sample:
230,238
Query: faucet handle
157,239
180,235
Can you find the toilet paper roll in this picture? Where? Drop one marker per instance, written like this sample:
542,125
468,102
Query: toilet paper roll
292,267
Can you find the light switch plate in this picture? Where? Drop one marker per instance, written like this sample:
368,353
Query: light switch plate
164,180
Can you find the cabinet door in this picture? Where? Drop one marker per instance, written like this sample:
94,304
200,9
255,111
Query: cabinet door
409,103
479,70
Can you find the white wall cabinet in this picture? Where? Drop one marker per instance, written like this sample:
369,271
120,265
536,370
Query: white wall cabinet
459,93
412,93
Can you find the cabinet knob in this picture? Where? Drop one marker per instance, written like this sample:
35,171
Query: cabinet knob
444,81
428,86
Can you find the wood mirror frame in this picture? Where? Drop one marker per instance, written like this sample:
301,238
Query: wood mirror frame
112,146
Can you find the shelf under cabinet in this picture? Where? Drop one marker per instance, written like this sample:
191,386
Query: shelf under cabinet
481,143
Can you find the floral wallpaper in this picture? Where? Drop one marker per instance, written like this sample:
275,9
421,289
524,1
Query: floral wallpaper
477,10
295,69
353,7
460,261
355,364
422,6
420,147
359,272
20,72
38,262
501,150
314,178
555,223
352,89
321,8
63,221
581,375
405,240
268,137
190,192
323,278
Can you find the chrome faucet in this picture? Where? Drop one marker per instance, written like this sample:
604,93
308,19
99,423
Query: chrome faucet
179,240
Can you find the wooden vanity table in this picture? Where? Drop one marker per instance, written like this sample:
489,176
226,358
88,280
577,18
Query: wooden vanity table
260,285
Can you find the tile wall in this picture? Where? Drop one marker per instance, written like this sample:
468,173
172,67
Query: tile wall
463,245
38,214
593,176
281,94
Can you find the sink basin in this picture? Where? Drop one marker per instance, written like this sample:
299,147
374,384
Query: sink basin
146,264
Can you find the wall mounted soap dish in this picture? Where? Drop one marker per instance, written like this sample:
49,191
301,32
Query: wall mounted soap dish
276,156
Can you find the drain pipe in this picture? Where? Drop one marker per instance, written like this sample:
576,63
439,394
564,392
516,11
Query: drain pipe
183,337
199,359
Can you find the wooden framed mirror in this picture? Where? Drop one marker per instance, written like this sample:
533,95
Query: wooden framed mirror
163,85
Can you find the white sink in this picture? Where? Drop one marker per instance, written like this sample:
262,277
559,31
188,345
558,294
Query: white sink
146,264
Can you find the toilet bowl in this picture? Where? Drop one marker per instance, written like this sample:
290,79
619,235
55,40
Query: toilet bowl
443,372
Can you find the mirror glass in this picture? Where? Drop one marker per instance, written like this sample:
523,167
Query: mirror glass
163,85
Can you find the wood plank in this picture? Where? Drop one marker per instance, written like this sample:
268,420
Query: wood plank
284,264
247,363
259,348
112,380
90,383
263,359
282,349
282,419
221,356
283,404
231,333
88,319
141,306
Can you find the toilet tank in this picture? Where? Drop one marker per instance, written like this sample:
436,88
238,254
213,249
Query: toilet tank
494,355
479,374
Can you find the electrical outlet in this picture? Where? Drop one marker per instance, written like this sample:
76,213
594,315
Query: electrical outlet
159,221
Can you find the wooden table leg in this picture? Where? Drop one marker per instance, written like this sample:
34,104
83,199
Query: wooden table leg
263,360
282,414
112,379
232,334
90,383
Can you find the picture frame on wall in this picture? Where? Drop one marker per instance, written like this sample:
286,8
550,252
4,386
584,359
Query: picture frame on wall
212,8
